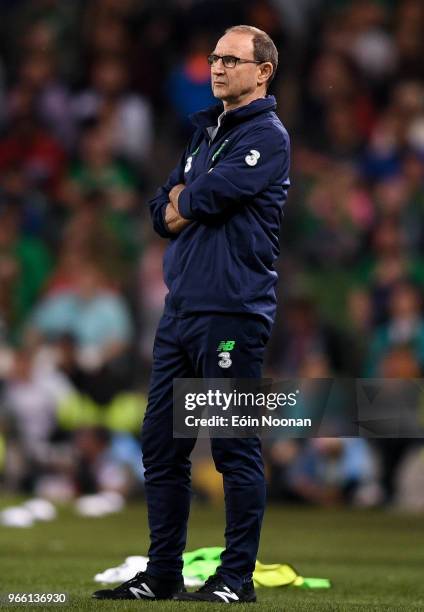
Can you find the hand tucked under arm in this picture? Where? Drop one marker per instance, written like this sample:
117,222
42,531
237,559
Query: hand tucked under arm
174,194
174,221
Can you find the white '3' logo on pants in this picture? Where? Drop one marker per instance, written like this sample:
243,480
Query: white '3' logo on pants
225,361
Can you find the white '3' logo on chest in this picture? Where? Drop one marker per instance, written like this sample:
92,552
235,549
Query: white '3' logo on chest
252,158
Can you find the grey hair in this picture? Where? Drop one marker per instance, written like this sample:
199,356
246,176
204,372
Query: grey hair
264,49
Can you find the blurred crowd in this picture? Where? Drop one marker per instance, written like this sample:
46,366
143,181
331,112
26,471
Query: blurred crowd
94,98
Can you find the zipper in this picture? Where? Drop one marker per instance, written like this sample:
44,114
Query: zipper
218,151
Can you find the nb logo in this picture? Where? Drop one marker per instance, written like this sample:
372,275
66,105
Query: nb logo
143,592
226,595
226,345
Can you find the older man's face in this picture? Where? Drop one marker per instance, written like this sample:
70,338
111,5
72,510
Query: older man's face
234,84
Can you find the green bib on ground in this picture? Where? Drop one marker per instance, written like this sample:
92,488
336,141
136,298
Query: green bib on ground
203,562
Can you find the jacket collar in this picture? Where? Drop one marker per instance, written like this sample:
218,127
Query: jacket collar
209,116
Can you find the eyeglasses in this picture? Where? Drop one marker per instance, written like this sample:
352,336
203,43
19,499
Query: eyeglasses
229,61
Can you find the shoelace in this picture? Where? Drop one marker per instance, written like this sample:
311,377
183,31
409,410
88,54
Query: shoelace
134,580
210,584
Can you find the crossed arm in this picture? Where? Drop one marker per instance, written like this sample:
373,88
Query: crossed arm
174,221
234,180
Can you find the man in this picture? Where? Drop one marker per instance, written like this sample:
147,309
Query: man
221,210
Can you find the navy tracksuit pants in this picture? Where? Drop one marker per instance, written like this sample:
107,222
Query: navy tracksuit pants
187,348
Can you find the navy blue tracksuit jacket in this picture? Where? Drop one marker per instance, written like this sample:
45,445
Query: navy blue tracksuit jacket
236,187
221,281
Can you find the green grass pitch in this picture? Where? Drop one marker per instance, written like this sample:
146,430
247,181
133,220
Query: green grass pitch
375,559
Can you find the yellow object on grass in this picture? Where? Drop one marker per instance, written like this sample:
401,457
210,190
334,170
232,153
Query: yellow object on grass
203,562
282,574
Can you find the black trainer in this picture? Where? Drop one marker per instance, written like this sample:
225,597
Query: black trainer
216,590
143,586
